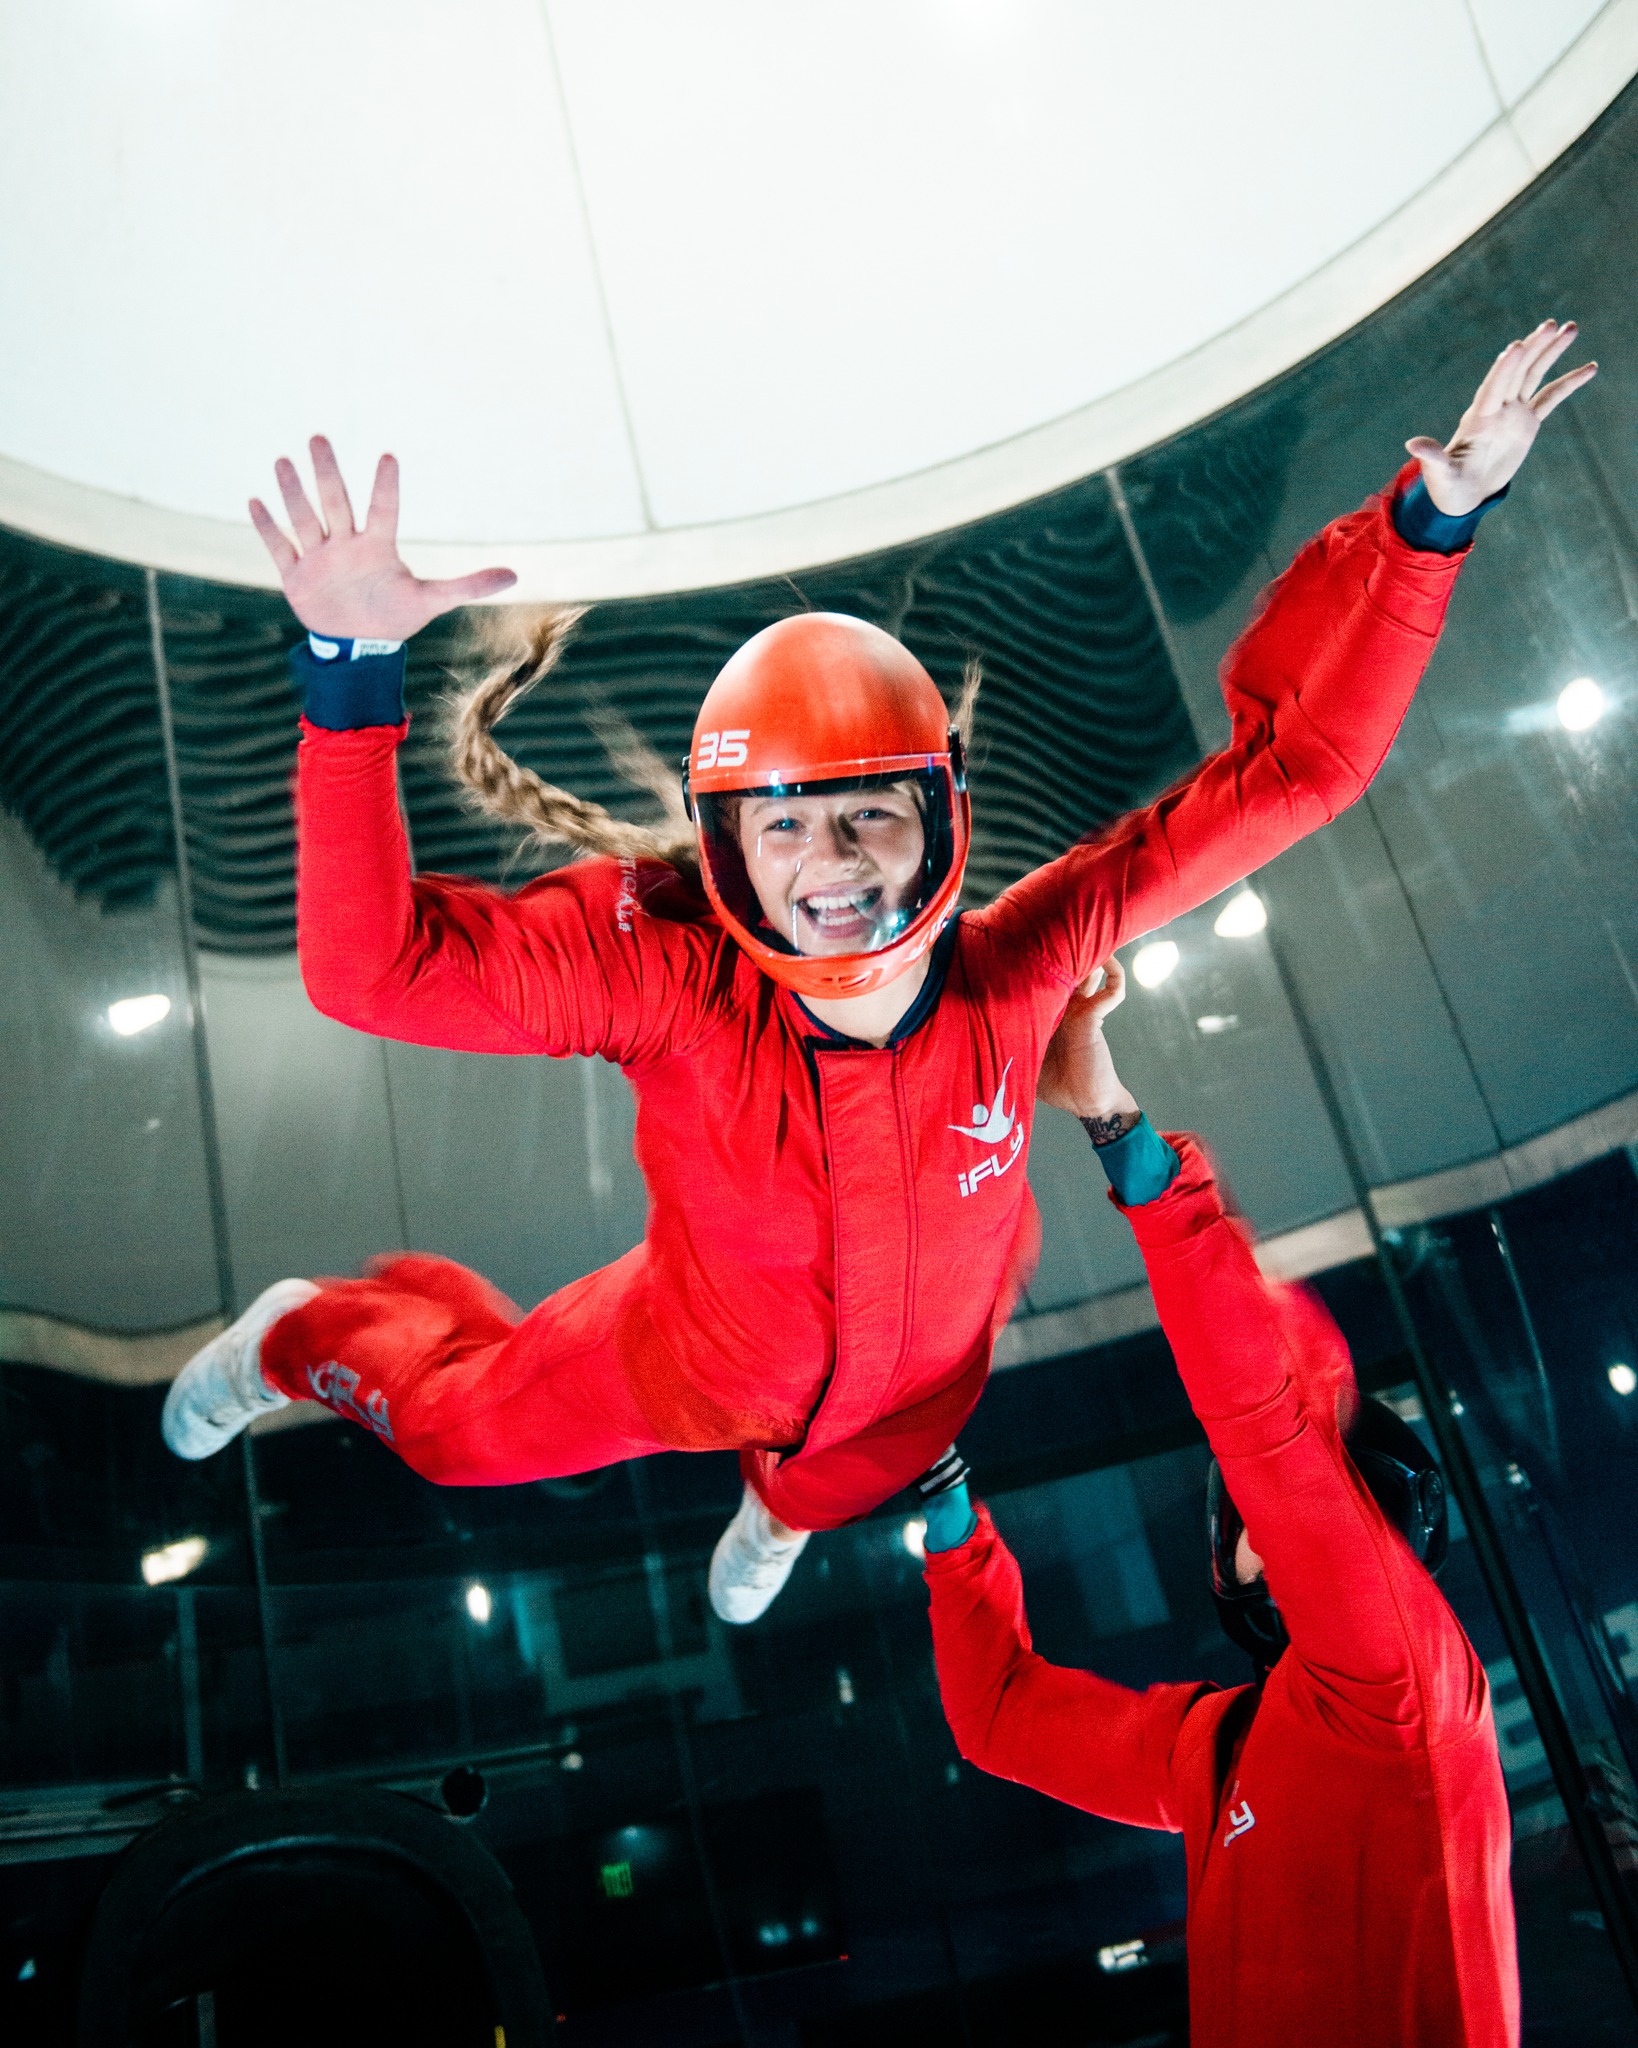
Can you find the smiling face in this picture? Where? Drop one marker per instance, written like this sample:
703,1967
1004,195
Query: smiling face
838,873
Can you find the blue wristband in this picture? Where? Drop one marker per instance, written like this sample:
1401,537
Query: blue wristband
1420,523
1140,1164
343,695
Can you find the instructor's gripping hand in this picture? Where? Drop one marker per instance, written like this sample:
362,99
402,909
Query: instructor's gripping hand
1496,432
1078,1073
349,584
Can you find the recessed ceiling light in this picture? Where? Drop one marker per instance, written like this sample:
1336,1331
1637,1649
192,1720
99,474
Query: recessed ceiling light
1241,916
1123,1955
478,1603
1153,962
1623,1379
132,1014
1212,1025
173,1560
1581,704
915,1536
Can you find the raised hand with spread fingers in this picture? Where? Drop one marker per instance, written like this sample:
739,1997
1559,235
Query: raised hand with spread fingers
350,582
1498,429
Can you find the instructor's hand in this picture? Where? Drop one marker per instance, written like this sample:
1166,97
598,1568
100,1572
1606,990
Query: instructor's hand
1495,433
1078,1073
348,584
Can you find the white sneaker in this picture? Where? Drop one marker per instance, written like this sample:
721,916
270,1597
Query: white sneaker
750,1563
220,1390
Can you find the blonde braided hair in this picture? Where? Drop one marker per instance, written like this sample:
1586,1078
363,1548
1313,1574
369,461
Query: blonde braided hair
522,647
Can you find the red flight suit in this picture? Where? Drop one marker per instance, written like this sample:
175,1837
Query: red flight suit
835,1233
1347,1827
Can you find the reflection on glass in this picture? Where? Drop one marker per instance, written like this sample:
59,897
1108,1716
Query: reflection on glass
1242,917
1520,1306
132,1014
1154,962
1581,704
173,1560
104,1214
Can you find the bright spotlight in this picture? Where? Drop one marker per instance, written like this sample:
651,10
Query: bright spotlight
132,1014
173,1560
1241,916
478,1603
1211,1026
1581,704
915,1537
1153,962
1623,1379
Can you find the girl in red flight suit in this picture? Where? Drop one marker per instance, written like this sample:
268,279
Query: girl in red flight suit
832,1068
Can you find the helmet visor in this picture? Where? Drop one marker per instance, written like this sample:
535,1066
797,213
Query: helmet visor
834,868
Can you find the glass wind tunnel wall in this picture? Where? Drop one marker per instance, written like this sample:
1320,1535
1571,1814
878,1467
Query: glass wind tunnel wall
765,1836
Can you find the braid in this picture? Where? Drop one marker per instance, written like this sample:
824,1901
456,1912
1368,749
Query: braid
972,681
524,648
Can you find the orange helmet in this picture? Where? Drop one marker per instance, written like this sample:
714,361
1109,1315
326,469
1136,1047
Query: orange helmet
830,799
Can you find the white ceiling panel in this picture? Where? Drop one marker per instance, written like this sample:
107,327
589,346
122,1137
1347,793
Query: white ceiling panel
226,226
874,234
650,294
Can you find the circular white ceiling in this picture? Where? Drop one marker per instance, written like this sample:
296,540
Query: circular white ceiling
649,295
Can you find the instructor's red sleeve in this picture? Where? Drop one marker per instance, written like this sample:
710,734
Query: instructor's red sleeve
1316,688
571,963
1071,1734
1269,1376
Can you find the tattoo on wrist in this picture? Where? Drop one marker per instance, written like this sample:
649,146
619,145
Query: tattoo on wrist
1104,1130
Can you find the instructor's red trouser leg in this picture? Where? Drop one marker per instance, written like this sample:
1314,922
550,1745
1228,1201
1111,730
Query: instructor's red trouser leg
465,1389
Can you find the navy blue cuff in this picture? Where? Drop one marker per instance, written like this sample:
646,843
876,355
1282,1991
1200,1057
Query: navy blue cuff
342,696
1140,1164
1420,523
950,1519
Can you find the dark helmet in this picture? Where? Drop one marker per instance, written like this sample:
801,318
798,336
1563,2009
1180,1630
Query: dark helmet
1403,1480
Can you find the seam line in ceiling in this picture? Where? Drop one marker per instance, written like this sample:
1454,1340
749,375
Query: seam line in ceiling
1470,8
595,260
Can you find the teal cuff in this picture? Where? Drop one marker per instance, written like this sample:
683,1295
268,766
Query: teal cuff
344,696
1420,522
1140,1164
950,1519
